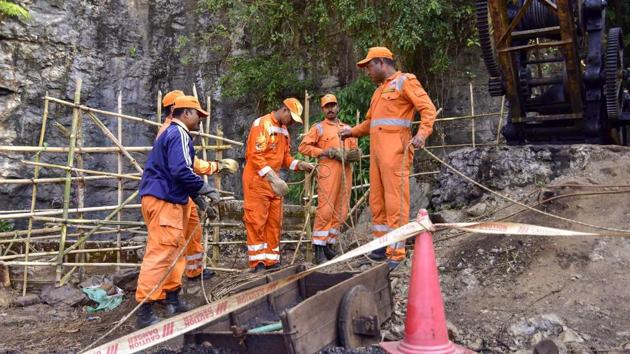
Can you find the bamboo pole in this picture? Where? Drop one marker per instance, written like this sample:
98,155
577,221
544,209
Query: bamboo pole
116,141
119,194
216,231
80,194
472,112
137,119
42,135
66,221
158,107
74,169
56,179
95,149
32,232
307,183
50,237
69,264
500,119
68,184
51,212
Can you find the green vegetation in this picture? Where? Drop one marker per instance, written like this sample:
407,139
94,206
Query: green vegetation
13,10
290,44
295,42
5,226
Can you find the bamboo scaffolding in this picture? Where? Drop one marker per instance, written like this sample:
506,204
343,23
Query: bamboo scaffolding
113,223
68,183
136,119
42,135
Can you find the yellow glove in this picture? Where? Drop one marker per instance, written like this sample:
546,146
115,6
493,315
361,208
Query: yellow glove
227,166
278,186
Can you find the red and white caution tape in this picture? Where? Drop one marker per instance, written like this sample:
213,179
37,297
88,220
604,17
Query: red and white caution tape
180,324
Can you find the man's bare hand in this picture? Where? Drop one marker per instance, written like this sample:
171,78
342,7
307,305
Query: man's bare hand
417,141
345,133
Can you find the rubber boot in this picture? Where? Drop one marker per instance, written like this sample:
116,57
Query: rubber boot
378,254
174,304
329,251
259,268
320,254
392,264
145,316
276,265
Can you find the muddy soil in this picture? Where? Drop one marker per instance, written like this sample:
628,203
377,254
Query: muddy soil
503,294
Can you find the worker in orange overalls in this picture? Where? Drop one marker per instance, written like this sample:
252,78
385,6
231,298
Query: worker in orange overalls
322,141
268,150
168,188
388,122
194,251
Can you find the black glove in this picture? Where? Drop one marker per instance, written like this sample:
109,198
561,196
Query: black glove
201,202
210,193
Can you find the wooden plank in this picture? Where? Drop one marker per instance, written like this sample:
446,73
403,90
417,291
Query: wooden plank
313,323
287,296
322,281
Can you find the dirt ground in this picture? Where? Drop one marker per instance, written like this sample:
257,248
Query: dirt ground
503,294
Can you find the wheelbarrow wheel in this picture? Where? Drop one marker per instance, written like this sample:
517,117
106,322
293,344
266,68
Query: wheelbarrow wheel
358,323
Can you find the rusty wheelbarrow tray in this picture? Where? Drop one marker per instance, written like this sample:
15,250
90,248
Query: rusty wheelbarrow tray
317,311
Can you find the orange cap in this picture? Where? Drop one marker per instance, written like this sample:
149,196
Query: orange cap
170,97
189,102
376,52
328,98
295,107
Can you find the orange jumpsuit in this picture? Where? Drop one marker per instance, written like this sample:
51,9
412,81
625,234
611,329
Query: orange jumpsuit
388,122
168,225
332,199
267,149
194,251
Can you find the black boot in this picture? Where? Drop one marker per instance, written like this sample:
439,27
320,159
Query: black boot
259,268
320,254
329,251
145,316
174,304
377,255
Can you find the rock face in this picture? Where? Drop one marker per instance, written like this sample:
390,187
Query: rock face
126,46
508,166
135,47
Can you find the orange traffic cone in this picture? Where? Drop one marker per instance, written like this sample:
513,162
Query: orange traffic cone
425,325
